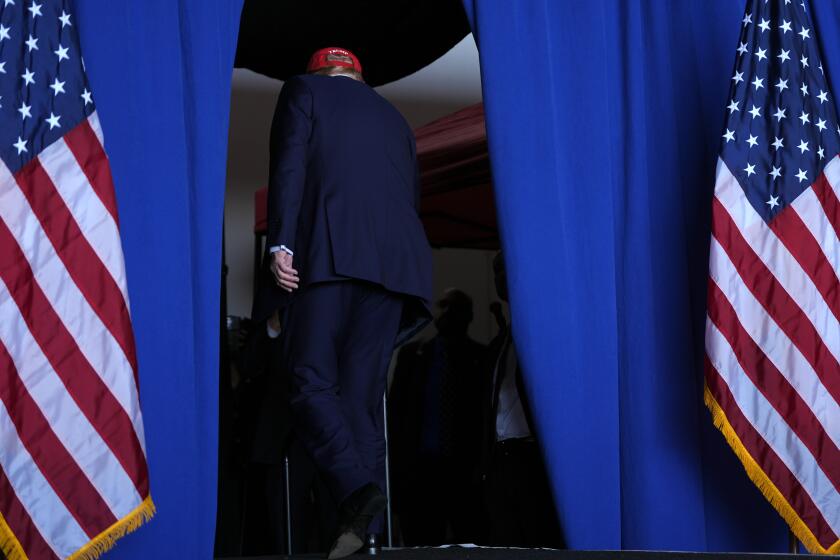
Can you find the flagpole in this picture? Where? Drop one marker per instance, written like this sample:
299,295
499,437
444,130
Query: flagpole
286,482
388,514
793,543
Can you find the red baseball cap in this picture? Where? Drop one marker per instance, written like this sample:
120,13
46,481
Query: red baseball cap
333,56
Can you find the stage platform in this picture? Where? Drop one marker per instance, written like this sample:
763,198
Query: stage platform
473,553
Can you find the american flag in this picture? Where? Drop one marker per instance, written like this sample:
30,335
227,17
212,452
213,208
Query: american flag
773,325
73,474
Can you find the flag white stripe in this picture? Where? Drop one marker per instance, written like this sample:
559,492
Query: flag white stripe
57,526
772,252
813,215
93,119
87,209
810,210
95,341
772,428
774,343
69,424
832,173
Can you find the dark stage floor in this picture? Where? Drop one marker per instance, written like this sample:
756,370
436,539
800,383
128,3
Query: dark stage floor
460,553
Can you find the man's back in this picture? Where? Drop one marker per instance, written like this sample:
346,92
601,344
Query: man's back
344,197
354,132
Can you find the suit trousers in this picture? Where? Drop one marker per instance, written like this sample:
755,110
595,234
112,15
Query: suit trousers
339,338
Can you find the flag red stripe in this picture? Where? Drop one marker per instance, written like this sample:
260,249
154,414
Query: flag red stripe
20,523
90,275
794,234
828,199
773,297
85,386
71,485
768,460
772,384
85,146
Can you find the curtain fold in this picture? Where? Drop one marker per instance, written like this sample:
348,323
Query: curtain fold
604,122
161,76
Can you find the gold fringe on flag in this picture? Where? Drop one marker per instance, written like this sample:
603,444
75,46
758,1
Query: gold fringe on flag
763,482
105,540
100,544
8,542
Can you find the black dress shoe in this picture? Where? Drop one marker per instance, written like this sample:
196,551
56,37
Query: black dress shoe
354,516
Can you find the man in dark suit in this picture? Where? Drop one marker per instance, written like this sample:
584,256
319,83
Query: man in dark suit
352,271
517,491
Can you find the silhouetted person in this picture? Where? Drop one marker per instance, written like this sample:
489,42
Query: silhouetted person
518,495
435,428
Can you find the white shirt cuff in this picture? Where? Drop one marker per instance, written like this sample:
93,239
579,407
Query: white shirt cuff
273,249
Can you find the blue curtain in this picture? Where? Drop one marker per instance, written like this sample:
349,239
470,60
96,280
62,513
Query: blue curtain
161,73
604,120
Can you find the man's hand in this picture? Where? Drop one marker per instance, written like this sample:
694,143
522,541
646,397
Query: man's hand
285,276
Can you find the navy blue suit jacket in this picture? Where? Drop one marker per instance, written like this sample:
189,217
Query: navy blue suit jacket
343,190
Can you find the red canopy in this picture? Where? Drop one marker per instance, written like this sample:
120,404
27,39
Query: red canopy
456,203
